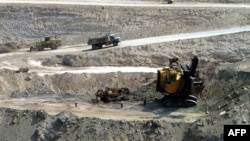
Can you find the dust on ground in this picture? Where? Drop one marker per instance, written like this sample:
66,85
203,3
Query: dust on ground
42,107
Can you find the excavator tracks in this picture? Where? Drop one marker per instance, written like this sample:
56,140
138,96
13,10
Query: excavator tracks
174,101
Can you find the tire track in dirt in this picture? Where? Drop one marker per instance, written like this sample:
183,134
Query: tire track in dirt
131,111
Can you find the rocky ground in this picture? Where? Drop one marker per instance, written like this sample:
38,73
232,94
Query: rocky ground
74,24
38,105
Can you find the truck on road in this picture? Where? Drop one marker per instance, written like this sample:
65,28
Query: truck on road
108,39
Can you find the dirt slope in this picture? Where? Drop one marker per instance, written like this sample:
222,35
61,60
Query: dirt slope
40,107
75,23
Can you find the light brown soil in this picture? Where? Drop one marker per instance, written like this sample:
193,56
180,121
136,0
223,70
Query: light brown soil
35,104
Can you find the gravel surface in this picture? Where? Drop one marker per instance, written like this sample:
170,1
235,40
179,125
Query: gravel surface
39,90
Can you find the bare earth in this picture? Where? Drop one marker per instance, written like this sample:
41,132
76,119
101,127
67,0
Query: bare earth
34,105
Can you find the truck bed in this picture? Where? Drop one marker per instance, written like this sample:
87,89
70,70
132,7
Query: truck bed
97,40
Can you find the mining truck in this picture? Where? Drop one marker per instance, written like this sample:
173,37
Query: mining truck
47,43
112,94
179,83
108,39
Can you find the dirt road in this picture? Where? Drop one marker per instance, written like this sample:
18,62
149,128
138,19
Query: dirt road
130,111
142,41
186,36
32,60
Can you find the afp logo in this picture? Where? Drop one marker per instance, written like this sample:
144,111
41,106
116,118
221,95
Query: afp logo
235,132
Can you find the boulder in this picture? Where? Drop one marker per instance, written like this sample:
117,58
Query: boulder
41,114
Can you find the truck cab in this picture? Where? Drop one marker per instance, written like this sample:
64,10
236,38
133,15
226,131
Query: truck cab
114,39
46,39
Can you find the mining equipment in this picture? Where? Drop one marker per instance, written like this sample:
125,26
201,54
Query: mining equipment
47,43
112,94
179,83
108,39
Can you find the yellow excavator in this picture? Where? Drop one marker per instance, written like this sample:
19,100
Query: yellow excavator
179,83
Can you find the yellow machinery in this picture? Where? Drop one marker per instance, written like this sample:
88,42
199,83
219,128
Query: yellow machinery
179,84
112,94
47,43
